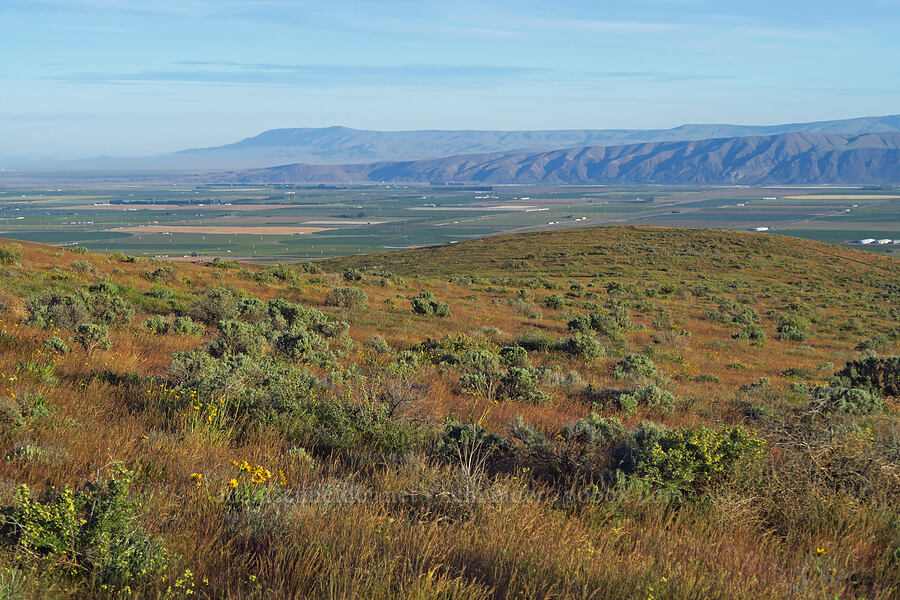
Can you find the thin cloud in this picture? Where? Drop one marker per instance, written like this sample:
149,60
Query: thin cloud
307,75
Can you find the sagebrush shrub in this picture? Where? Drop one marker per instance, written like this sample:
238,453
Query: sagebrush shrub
425,304
92,337
521,384
346,297
56,344
881,375
857,401
99,304
634,366
216,304
157,325
186,326
583,346
351,274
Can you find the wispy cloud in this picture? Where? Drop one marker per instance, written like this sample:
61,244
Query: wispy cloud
307,75
225,72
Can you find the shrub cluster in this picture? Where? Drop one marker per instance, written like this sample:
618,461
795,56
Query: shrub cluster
425,304
879,375
790,327
595,448
100,304
635,366
507,376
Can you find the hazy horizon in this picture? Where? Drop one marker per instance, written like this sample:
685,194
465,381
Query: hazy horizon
86,78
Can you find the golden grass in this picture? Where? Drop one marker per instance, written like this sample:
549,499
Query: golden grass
735,545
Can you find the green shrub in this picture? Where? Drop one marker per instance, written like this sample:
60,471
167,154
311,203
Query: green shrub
157,325
481,373
91,337
263,388
346,297
514,356
99,304
554,301
351,274
856,401
593,432
216,304
880,375
583,346
160,293
791,327
521,384
83,266
301,344
536,341
164,273
875,343
186,326
634,366
331,425
470,444
649,395
56,344
252,309
93,533
580,451
425,304
750,332
10,254
236,337
686,459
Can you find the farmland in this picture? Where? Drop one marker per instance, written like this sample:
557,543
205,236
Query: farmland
272,223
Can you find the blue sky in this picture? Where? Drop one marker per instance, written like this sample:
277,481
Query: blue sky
125,77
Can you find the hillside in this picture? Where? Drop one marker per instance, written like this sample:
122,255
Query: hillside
606,413
786,159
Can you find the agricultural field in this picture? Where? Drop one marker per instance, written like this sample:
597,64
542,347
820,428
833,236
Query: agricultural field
622,412
273,223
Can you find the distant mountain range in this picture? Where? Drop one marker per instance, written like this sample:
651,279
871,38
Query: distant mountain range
791,159
340,145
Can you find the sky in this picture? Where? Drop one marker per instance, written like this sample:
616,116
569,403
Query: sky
84,78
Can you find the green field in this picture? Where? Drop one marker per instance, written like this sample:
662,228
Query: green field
249,222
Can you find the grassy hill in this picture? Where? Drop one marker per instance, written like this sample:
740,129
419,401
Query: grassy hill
594,413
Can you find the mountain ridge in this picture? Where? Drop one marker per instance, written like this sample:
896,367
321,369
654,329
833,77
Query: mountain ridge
344,145
793,158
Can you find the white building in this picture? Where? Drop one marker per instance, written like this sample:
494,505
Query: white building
866,241
884,241
760,229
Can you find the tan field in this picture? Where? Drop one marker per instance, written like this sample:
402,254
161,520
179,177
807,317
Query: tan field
223,229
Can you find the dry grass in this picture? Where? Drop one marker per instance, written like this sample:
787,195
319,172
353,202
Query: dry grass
754,539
